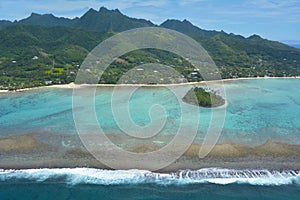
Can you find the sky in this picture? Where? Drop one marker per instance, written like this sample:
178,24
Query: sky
272,19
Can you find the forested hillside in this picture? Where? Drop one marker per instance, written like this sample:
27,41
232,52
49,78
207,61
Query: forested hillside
44,49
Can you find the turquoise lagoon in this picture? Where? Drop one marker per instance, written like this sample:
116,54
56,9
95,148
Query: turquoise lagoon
257,110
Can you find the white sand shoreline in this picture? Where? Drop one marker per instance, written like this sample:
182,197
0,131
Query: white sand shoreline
73,85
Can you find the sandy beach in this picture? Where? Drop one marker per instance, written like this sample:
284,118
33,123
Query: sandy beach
73,85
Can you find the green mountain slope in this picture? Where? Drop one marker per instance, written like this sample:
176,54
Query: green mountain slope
109,20
31,55
44,49
102,20
238,56
5,23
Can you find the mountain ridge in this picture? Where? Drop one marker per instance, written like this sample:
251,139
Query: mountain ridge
94,20
102,20
49,19
44,48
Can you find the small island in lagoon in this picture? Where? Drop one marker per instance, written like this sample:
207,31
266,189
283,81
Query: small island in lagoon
200,97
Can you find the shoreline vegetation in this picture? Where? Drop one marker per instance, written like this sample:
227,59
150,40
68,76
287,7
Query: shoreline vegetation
73,85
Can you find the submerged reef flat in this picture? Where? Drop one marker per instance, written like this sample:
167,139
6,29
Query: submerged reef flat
38,151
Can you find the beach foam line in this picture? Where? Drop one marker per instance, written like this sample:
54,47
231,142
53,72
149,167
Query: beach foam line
74,176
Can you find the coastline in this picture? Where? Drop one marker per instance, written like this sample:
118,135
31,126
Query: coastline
26,151
72,85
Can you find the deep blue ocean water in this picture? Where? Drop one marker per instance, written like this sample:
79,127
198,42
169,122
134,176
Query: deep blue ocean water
45,191
258,110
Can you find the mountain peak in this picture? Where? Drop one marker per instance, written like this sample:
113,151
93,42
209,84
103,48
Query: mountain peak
185,21
109,20
34,14
91,10
45,19
41,15
105,10
184,26
254,37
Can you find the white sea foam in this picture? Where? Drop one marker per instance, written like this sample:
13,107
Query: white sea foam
75,176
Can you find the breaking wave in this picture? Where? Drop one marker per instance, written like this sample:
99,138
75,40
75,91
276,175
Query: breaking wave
74,176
